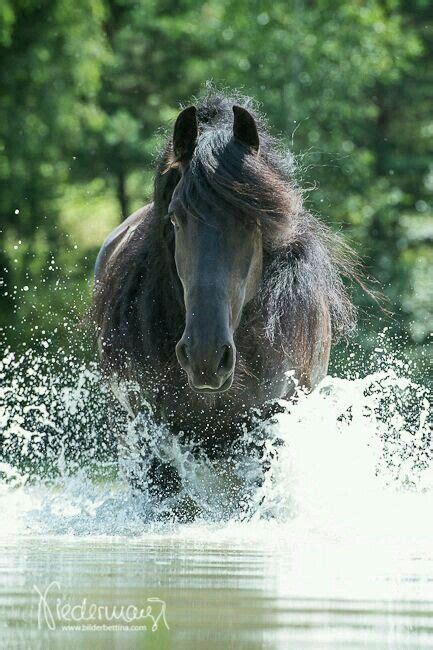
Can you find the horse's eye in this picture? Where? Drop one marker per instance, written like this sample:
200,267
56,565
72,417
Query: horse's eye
174,220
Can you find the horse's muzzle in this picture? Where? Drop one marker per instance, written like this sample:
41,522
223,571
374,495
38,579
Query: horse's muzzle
210,369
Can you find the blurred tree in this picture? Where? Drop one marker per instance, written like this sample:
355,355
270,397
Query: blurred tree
159,59
50,53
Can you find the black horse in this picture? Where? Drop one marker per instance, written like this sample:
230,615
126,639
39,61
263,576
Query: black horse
222,294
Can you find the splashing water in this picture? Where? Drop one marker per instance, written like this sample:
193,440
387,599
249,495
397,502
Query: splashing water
352,458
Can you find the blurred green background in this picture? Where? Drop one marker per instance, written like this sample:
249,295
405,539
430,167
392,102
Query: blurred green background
88,88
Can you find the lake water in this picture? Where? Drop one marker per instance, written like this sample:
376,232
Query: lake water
334,551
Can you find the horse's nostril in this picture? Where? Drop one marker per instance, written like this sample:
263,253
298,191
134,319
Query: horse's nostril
226,360
182,354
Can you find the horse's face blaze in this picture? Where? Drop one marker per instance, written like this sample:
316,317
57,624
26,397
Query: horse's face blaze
219,262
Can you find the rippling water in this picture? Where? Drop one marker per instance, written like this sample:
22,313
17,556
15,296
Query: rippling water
333,549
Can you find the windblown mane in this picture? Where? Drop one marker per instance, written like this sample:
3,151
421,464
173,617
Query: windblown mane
304,261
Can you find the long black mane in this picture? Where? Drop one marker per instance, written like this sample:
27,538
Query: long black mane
138,307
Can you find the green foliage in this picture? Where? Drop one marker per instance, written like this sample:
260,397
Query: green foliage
88,87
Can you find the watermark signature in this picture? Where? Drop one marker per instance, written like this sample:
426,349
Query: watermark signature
55,612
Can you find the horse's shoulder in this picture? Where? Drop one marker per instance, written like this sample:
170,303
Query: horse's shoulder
118,237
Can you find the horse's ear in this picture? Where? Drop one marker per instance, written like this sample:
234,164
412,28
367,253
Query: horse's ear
245,128
185,134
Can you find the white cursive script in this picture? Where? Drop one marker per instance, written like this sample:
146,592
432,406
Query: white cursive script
62,611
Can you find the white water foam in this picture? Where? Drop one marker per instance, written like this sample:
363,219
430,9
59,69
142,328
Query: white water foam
353,459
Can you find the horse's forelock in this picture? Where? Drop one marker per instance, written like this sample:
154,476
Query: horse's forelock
226,175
